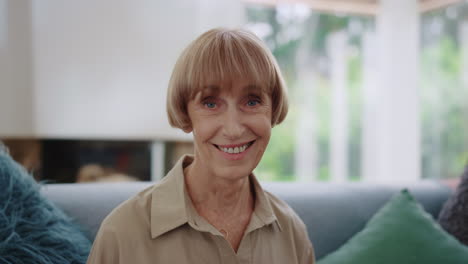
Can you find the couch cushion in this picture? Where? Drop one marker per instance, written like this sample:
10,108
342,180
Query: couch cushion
334,212
400,232
32,229
454,215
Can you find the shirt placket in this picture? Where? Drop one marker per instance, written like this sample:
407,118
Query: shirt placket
228,256
226,251
244,253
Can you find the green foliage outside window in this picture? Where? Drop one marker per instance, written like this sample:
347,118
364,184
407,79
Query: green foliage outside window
444,98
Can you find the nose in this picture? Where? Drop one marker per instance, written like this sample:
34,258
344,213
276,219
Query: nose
233,126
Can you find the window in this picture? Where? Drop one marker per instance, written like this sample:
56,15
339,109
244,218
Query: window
321,58
444,91
324,58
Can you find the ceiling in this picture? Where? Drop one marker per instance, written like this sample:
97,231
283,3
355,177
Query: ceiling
363,7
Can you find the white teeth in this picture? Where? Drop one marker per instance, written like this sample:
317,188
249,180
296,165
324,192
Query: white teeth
235,150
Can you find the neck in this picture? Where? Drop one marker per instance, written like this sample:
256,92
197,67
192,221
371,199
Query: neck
222,196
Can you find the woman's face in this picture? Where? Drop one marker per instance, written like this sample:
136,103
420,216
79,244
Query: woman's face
231,125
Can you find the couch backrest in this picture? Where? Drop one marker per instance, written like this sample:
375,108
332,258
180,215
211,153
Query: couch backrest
333,213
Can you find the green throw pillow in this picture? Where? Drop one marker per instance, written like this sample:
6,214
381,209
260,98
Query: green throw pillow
401,232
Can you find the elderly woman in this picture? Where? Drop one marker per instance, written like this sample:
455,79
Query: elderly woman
227,89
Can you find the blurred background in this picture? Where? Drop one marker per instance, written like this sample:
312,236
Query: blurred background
378,89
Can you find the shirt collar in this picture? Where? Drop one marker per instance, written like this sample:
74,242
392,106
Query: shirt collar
168,207
171,206
263,210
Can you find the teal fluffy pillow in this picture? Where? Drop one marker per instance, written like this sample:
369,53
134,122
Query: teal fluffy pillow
32,229
400,232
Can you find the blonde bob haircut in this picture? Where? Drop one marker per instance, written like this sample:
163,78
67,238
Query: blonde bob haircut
223,55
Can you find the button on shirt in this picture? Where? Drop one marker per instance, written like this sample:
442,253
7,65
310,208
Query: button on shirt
161,225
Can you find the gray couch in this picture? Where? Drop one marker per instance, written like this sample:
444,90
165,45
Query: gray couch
332,212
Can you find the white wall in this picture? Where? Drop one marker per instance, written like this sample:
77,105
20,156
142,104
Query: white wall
16,104
101,67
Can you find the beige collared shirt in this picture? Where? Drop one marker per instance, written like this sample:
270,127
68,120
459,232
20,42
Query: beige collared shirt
161,225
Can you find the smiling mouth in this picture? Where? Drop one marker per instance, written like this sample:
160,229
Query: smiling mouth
235,150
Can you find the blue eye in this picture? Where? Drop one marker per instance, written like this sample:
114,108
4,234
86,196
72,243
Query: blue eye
210,105
252,102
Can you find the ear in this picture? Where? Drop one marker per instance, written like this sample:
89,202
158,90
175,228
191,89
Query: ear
187,129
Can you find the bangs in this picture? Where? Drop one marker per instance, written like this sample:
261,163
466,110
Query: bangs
222,55
228,57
